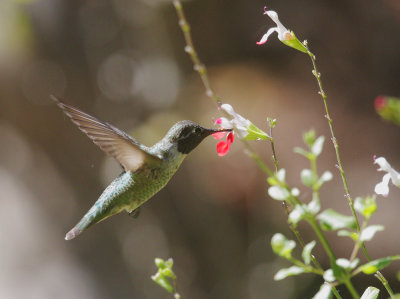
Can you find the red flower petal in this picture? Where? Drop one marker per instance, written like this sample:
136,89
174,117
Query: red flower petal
230,138
219,135
218,121
223,148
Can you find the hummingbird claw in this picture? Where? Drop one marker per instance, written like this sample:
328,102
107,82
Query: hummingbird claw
134,213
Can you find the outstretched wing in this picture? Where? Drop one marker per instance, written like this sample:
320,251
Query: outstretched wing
126,150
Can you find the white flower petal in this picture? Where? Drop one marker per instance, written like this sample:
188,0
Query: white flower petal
383,164
226,123
280,29
382,188
228,109
265,37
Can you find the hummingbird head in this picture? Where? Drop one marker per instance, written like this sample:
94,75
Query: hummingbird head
188,134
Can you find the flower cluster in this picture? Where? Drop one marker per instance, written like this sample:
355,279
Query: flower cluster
242,126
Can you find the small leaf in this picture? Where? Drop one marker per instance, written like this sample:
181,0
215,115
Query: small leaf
273,181
332,220
255,133
169,263
309,138
296,215
299,150
283,273
365,206
325,177
376,265
306,254
278,193
318,145
368,233
328,275
282,246
160,263
324,292
346,233
370,293
281,174
314,205
163,282
307,177
346,264
168,272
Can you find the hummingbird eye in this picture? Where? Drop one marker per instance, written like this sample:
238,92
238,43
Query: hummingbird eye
197,130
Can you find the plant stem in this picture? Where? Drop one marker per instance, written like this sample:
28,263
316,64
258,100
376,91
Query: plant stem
317,75
351,289
323,240
189,48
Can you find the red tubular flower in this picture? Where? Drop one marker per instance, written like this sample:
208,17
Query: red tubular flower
224,146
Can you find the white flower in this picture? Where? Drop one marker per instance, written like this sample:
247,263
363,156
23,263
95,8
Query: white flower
283,33
238,122
382,188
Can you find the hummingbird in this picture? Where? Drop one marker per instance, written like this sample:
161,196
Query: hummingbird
146,170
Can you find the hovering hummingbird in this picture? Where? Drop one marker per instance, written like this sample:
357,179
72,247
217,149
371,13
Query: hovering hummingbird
146,169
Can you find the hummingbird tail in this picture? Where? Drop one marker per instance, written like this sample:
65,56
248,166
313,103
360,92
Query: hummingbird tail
72,233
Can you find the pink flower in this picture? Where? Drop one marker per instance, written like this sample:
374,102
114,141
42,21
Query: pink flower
224,146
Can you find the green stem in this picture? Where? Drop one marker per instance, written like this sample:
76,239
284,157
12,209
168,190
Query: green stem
340,167
351,289
190,49
323,240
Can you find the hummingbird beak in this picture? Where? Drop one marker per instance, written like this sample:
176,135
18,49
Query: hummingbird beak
212,131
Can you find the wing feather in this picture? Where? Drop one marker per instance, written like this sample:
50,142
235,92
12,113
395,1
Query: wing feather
126,150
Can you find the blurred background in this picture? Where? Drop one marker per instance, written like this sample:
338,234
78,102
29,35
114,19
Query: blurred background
123,61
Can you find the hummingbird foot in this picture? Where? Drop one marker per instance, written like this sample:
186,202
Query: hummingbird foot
72,233
134,213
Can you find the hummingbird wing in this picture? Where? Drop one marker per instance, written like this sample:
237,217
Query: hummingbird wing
126,150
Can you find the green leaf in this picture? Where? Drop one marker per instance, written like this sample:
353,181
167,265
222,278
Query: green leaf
376,265
309,138
370,293
299,150
169,263
314,205
163,282
273,181
271,122
328,275
278,193
346,233
365,206
307,177
324,292
346,264
325,177
318,145
296,214
306,254
255,133
282,246
368,233
281,174
168,272
283,273
160,263
332,220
